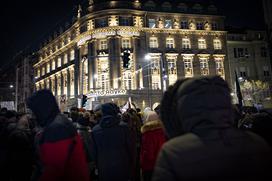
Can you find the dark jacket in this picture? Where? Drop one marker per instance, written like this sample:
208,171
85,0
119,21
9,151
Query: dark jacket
209,148
60,149
111,147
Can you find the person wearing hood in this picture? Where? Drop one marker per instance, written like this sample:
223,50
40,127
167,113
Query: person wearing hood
60,149
153,138
111,148
204,145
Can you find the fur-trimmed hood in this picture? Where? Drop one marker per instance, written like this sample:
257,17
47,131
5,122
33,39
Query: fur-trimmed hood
151,125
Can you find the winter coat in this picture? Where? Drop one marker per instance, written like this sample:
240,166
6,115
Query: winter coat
210,148
60,148
111,148
153,138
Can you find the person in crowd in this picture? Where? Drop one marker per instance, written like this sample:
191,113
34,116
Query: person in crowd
20,150
60,149
74,114
204,145
111,146
153,138
97,113
92,121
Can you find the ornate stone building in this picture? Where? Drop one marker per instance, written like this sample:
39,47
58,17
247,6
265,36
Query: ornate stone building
166,42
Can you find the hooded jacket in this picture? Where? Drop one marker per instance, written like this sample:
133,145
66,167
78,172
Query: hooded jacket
60,148
153,138
208,147
111,147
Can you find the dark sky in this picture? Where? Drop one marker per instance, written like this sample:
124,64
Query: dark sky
26,23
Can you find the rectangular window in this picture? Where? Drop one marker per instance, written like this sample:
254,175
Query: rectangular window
263,52
103,44
219,66
59,62
266,71
217,44
65,59
48,67
186,44
153,42
204,66
53,64
43,71
202,43
184,25
170,43
172,70
199,26
100,23
168,24
151,23
72,55
188,66
126,43
243,72
214,26
155,73
240,52
125,21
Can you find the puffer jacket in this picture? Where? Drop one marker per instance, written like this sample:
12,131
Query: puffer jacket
208,147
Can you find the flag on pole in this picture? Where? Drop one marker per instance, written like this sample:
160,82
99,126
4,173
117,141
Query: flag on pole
238,92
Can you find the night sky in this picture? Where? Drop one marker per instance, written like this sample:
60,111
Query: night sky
27,23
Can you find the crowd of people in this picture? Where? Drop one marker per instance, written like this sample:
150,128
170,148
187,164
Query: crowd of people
194,134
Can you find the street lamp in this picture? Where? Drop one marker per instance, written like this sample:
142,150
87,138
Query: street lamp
11,86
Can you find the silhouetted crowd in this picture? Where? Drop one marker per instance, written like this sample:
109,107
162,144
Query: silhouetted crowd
194,134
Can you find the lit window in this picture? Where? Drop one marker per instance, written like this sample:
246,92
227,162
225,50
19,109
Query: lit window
219,65
103,73
155,73
217,44
103,44
184,25
204,66
53,65
59,62
38,73
153,42
202,43
58,85
152,23
188,66
72,55
168,24
48,67
127,80
172,70
72,88
43,71
170,43
186,43
126,43
65,59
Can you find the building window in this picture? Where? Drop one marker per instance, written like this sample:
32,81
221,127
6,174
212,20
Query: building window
103,73
125,21
170,43
100,23
243,72
65,83
126,43
59,62
202,43
65,59
199,26
48,67
168,24
72,80
188,66
241,52
217,44
204,66
153,42
214,26
184,25
53,64
186,43
72,55
58,85
103,44
263,52
127,80
151,23
266,71
155,73
172,70
219,66
43,71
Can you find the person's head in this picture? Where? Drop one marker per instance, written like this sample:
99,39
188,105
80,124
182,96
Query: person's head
23,122
196,105
151,116
44,106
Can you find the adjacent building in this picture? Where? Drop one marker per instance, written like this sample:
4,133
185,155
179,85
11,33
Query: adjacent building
165,42
267,5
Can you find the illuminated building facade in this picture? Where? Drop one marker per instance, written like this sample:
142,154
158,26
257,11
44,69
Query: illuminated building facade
181,40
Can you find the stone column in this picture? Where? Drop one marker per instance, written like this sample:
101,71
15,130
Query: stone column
56,85
77,71
196,66
91,64
136,56
180,67
212,67
114,60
